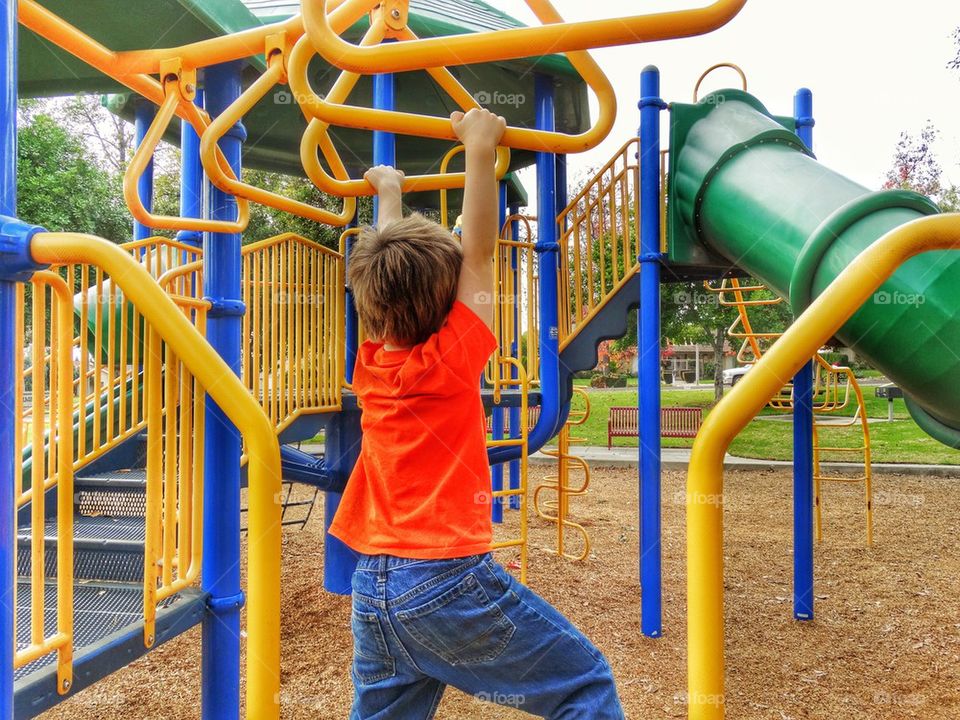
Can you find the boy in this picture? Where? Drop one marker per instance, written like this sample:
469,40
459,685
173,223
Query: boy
430,606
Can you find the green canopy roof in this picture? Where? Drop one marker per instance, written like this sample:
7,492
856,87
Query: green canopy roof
275,125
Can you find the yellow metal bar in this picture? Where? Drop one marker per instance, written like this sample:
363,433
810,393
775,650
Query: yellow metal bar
142,158
500,45
821,320
226,389
320,33
37,470
216,172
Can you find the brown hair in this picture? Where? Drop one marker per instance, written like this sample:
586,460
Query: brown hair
404,279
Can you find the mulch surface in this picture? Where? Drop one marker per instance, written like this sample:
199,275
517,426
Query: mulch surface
885,643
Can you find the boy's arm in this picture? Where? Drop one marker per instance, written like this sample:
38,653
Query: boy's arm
387,181
480,132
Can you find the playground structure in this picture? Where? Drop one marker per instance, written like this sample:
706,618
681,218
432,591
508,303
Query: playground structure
166,374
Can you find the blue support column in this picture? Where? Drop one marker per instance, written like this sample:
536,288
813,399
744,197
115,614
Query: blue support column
497,414
221,492
648,334
514,412
191,178
342,448
10,345
143,113
803,435
552,414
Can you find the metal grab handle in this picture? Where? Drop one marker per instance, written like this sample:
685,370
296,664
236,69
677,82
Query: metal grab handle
441,128
498,45
215,171
736,68
141,159
263,450
317,136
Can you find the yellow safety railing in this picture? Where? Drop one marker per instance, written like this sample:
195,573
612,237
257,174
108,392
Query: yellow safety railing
516,316
293,349
51,381
107,349
600,240
521,383
557,509
198,362
705,487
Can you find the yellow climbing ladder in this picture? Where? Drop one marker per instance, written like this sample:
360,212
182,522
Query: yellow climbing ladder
834,389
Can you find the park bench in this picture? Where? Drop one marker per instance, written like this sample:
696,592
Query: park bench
675,422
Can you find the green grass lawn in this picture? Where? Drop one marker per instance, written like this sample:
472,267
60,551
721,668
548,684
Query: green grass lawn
898,441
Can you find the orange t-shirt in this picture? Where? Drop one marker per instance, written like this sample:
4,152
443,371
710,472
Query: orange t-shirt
421,486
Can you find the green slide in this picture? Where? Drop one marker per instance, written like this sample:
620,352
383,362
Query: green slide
744,190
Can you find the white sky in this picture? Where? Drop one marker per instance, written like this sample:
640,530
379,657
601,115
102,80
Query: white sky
876,68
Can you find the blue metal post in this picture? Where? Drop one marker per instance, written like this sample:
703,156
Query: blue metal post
384,143
497,416
803,434
342,444
143,113
221,503
514,412
191,178
648,333
10,345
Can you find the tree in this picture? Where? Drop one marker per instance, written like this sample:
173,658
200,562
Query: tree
955,63
915,167
61,188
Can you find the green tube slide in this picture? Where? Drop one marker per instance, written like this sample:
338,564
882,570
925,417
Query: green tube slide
743,185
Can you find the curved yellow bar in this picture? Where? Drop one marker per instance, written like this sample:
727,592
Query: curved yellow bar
853,287
226,120
442,128
317,135
444,164
263,451
497,45
138,164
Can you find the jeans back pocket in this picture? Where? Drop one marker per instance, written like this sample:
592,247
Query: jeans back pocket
372,661
461,626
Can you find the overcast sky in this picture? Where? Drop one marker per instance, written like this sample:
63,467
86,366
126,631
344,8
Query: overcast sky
876,68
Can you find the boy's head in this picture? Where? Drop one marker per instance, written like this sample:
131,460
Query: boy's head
404,279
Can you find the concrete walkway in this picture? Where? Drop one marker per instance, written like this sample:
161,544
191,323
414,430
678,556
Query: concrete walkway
679,458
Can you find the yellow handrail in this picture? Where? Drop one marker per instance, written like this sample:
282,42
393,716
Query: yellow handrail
821,320
263,451
492,46
321,35
600,236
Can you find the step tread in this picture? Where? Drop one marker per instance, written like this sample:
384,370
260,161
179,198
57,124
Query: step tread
91,529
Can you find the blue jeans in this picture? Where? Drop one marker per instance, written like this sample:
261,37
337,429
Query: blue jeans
420,625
